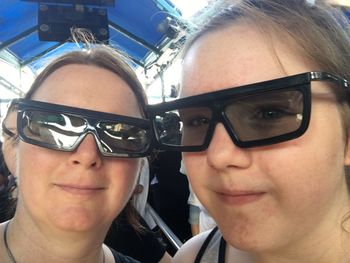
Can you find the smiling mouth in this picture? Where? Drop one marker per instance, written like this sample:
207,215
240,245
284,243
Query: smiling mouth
240,198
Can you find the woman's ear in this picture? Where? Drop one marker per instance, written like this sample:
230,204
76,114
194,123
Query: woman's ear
347,150
9,151
138,189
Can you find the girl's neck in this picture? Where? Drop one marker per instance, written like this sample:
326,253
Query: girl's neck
327,241
327,251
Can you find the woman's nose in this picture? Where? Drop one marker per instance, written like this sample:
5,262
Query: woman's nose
223,153
87,153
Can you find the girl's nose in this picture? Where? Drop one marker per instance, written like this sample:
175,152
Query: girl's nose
223,153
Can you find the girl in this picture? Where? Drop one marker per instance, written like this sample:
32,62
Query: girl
265,122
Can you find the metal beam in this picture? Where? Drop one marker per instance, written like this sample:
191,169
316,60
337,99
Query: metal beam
5,83
30,60
38,56
17,38
137,62
134,37
173,239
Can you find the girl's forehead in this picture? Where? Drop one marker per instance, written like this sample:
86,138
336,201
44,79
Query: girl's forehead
238,55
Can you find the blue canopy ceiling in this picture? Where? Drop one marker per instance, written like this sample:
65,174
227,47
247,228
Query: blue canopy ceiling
133,27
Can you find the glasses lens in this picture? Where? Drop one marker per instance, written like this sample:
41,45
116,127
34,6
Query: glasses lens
121,138
267,115
52,129
184,127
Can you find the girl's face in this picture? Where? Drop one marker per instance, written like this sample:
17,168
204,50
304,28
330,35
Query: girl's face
276,196
79,190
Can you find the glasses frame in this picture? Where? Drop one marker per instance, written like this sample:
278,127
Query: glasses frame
217,100
91,117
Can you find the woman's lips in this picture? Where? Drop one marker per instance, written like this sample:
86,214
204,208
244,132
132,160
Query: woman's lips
240,197
80,189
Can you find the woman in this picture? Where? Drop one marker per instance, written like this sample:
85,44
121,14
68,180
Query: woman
8,159
264,152
82,135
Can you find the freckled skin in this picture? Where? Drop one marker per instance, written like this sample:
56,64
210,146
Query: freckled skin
303,179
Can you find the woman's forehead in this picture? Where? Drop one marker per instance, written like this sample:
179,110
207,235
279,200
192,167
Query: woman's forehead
90,87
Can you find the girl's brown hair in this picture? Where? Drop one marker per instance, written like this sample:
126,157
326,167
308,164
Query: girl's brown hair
319,31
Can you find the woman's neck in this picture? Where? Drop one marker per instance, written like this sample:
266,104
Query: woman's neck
31,243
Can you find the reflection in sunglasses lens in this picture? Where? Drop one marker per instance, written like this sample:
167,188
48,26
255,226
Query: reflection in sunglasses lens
62,131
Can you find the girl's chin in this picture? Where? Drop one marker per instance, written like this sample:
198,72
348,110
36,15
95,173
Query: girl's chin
245,237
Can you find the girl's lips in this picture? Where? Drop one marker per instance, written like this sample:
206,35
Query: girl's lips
240,197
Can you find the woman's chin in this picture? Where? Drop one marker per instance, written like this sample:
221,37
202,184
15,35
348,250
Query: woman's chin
75,220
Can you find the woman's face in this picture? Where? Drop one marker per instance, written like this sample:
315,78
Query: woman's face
79,190
7,147
274,196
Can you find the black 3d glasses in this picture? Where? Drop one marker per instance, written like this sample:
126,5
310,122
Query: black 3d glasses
63,128
253,115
